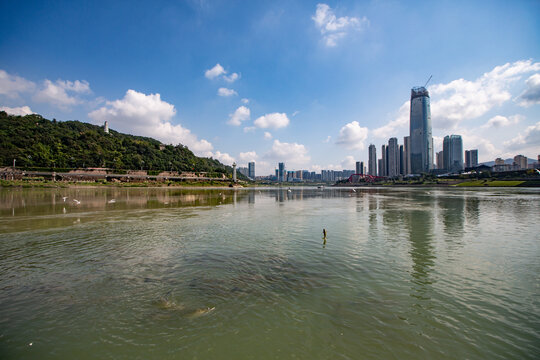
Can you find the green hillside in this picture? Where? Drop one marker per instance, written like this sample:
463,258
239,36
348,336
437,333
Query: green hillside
37,142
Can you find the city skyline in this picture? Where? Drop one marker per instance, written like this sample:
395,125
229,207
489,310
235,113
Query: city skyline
309,84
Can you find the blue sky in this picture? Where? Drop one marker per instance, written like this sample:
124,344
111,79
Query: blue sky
308,83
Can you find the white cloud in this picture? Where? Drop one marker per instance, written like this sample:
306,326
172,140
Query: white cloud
248,129
401,122
333,28
57,93
295,113
226,92
294,155
501,121
223,157
239,115
12,85
267,135
21,111
528,141
231,78
215,72
273,120
245,101
349,163
531,95
327,140
462,99
148,115
352,136
247,156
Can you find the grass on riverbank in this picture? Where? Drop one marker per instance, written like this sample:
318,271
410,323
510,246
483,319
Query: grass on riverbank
498,183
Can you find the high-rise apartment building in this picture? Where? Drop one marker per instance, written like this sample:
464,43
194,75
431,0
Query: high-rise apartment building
393,158
281,172
407,155
384,164
471,158
440,160
251,170
521,161
401,160
421,149
453,153
372,161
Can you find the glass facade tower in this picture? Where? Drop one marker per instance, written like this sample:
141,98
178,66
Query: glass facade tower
421,147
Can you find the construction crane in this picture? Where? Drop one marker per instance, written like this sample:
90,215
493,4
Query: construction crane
430,76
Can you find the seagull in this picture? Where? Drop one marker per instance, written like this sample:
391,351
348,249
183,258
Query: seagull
76,201
64,198
112,201
289,190
353,190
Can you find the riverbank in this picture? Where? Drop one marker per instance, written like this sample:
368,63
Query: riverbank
160,184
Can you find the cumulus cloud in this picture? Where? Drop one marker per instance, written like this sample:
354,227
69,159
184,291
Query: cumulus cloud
501,121
348,163
12,85
327,140
267,135
239,115
215,71
273,120
531,95
352,136
529,139
223,157
247,156
462,99
21,111
148,115
231,78
248,129
401,122
245,101
226,92
293,154
56,93
333,28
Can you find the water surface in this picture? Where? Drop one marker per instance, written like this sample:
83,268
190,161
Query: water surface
238,274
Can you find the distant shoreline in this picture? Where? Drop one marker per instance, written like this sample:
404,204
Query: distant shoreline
222,185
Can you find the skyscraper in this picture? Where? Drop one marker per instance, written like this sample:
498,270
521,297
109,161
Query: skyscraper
281,172
421,148
407,155
384,163
372,162
362,167
358,171
251,170
471,158
453,153
401,160
440,160
393,158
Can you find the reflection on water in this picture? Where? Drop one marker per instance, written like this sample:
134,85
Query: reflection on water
224,273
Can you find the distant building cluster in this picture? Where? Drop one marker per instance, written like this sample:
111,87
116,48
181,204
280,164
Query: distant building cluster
248,171
414,157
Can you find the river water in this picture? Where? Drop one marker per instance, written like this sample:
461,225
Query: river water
163,273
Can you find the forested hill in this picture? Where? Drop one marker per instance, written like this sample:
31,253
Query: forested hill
37,142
